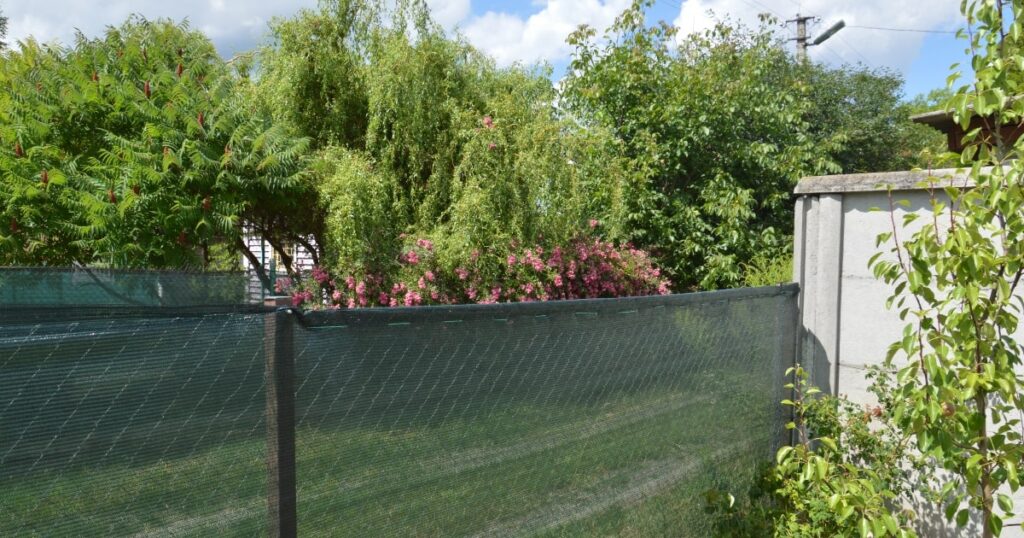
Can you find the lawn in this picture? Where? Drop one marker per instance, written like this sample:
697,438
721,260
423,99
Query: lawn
546,427
637,467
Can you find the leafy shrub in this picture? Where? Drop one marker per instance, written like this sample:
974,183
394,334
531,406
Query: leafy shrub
585,268
850,472
763,270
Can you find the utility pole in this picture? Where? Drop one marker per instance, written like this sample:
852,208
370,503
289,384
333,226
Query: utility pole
802,37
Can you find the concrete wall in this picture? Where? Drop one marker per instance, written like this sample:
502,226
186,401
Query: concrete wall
846,326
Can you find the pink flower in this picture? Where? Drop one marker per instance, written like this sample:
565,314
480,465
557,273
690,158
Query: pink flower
351,303
421,283
382,299
320,275
558,281
412,257
336,296
462,273
511,259
471,293
593,223
491,146
425,244
429,275
488,122
350,282
361,288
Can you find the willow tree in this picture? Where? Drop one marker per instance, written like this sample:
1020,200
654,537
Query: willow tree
421,136
3,30
139,148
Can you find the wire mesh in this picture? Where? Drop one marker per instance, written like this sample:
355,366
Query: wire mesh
83,286
591,418
124,426
606,417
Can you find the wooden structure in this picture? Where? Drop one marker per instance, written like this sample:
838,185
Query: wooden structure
943,121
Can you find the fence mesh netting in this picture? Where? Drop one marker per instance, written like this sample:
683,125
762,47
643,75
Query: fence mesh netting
603,417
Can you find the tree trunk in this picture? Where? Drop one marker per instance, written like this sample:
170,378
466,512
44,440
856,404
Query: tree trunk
261,272
987,493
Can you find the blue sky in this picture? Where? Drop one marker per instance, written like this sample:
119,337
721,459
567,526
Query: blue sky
534,30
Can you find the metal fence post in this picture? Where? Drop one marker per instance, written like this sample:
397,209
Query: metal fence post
280,383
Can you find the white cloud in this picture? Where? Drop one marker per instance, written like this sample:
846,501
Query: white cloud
541,36
237,25
449,13
875,48
233,25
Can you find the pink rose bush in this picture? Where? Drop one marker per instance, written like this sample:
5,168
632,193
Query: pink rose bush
584,269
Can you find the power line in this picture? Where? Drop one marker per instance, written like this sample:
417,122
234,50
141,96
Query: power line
770,10
841,60
901,29
855,51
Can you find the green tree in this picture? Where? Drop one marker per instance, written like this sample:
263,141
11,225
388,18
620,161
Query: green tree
3,30
934,151
314,71
140,148
715,132
956,280
420,136
865,109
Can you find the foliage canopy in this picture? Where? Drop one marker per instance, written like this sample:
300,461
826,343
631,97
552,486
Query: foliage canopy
368,127
140,148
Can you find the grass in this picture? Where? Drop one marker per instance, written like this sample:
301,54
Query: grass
565,425
636,465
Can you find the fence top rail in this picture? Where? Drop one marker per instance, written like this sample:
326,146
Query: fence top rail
908,180
33,314
116,271
21,314
376,316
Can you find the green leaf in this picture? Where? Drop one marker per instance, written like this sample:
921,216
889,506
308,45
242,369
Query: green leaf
783,454
1005,502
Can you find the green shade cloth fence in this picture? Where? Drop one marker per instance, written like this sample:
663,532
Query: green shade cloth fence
598,417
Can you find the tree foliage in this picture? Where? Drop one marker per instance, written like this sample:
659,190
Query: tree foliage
140,148
956,280
718,127
369,125
849,472
865,109
420,136
3,30
715,132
